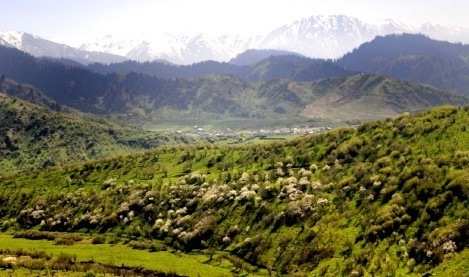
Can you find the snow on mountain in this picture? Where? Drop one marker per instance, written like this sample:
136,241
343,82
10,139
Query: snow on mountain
39,47
11,39
320,36
176,48
108,44
327,36
316,37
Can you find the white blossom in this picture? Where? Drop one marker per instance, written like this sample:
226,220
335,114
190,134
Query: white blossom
159,223
449,246
322,201
181,211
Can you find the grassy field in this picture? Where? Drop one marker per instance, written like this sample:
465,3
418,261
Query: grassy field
122,255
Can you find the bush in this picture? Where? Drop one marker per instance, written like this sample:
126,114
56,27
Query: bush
152,246
32,264
99,239
35,235
64,241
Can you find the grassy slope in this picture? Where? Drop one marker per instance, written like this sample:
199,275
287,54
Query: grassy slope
117,255
387,198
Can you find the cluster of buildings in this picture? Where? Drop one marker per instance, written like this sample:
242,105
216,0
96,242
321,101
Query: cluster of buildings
201,133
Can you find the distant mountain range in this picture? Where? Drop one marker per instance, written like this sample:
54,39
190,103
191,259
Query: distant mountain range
327,37
145,99
411,57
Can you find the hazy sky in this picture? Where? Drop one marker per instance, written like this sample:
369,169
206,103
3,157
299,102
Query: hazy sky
60,20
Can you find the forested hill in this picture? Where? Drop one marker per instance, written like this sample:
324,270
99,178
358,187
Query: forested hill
32,95
415,58
387,198
72,86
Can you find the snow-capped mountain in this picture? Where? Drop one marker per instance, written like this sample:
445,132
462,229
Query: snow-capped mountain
327,37
316,37
176,48
320,36
39,47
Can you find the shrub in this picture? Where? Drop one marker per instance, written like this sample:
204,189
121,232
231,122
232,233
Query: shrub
32,264
147,245
64,241
63,262
99,239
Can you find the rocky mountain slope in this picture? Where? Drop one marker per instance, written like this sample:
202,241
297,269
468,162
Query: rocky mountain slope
326,37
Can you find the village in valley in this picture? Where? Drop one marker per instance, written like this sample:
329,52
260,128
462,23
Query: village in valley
201,133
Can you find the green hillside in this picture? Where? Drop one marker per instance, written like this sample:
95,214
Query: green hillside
34,137
388,198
